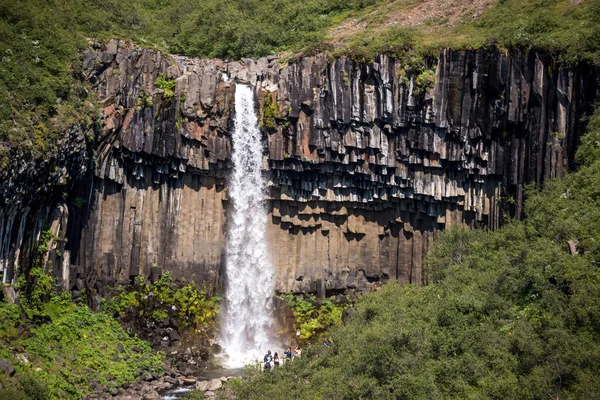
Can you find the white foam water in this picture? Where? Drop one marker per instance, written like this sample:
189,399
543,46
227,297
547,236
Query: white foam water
246,326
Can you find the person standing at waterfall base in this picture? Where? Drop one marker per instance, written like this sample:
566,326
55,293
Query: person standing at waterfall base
298,352
268,358
288,354
276,360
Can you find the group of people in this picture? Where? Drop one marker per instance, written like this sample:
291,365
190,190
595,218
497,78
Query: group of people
273,360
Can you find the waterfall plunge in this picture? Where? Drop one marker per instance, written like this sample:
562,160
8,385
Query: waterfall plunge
245,331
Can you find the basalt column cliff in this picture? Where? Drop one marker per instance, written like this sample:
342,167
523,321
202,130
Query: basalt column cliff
365,162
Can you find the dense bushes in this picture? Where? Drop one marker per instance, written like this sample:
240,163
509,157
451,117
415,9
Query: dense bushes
248,28
162,300
511,313
71,350
313,316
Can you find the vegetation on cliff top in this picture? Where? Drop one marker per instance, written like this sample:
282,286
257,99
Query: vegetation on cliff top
510,313
41,41
568,30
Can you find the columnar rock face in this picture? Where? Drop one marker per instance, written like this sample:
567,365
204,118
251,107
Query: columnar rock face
366,162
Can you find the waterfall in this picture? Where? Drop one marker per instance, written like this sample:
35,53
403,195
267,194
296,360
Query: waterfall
245,330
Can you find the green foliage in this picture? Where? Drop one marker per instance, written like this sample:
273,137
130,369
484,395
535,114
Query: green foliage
270,113
312,316
568,29
145,100
510,313
76,348
424,82
42,248
194,395
41,94
166,85
395,41
248,28
589,150
37,286
9,317
165,299
79,202
43,289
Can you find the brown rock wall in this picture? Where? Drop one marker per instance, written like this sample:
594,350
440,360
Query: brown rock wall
366,162
364,165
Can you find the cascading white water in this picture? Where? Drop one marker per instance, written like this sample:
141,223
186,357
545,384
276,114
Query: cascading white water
245,330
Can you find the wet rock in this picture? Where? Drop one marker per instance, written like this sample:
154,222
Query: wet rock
215,349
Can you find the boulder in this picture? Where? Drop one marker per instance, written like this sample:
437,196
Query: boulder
171,380
187,380
215,384
147,376
7,367
9,294
215,349
174,335
152,395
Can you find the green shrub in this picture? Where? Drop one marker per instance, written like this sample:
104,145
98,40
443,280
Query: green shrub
312,316
166,85
424,82
164,299
270,113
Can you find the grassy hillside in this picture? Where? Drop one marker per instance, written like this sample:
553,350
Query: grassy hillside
69,353
511,313
569,30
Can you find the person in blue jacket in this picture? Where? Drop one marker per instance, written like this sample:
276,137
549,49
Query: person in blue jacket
267,360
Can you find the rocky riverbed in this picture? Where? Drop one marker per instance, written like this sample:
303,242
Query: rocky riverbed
171,386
